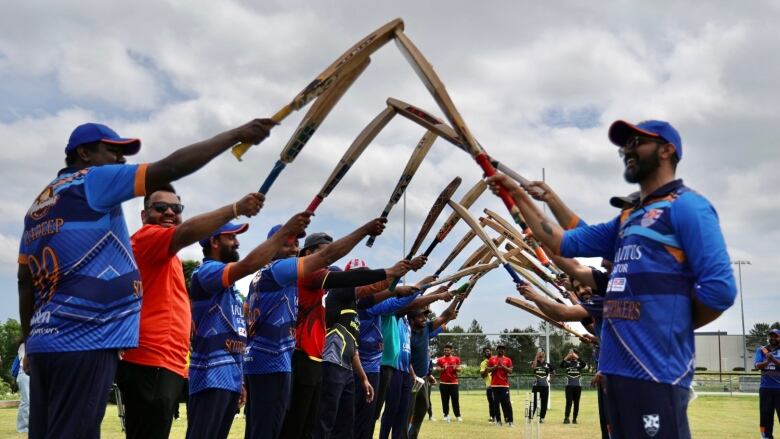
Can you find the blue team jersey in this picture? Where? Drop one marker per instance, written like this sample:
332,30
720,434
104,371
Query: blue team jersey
770,375
273,311
219,327
405,354
85,280
665,251
371,344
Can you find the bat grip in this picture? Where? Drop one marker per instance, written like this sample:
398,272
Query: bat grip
275,171
515,277
484,162
372,238
239,149
541,255
430,248
314,203
394,284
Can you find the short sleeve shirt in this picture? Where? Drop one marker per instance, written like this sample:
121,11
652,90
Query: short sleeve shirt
220,330
499,377
770,375
164,338
76,245
449,373
310,329
541,373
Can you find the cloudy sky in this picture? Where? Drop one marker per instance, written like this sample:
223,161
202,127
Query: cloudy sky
538,84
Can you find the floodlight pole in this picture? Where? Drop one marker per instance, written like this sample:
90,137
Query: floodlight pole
739,263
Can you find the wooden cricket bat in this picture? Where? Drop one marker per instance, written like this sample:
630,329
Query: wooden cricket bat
456,251
418,155
466,216
351,155
348,61
311,121
462,273
514,301
526,235
466,201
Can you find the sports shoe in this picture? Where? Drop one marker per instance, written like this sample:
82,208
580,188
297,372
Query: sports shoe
541,420
565,420
460,419
509,424
446,419
431,418
574,421
491,420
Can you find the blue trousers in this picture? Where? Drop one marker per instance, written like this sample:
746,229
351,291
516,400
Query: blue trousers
267,401
69,392
365,419
210,413
395,417
660,412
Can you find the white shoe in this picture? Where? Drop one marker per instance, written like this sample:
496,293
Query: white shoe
446,419
460,419
509,424
431,418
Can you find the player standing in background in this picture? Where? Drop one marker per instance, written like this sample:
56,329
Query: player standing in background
768,362
500,367
449,366
573,367
483,372
543,374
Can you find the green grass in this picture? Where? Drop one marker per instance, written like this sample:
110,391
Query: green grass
711,417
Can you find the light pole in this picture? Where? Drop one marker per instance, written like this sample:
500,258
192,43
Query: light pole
739,263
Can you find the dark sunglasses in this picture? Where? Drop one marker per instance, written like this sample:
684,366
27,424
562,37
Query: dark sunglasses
633,142
161,207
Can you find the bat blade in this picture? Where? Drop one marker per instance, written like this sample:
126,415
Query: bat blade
359,145
466,201
306,128
456,251
348,61
420,151
514,301
436,209
462,273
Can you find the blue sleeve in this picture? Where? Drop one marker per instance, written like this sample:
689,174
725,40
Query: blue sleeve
594,307
760,357
434,332
391,305
210,276
581,223
285,271
591,241
109,185
698,229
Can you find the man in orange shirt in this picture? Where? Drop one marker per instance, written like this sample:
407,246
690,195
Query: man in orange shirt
151,377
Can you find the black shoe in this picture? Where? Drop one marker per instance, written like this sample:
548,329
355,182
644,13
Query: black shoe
565,420
574,421
541,420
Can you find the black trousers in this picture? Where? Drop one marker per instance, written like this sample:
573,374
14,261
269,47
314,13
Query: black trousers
491,403
430,403
151,396
450,391
337,402
385,376
303,414
501,402
573,394
210,414
603,419
418,408
768,405
364,410
543,393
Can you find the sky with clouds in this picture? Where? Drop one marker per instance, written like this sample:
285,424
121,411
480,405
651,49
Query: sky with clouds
538,84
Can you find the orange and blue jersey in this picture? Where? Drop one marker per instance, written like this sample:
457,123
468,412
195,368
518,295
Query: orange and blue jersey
219,327
666,251
85,279
273,313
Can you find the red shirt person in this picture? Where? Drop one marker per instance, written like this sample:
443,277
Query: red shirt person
500,367
449,365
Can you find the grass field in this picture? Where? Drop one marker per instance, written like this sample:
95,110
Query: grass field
711,417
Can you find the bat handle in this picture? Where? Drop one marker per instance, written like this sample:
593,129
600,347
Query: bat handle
484,162
430,248
394,284
239,149
515,277
314,203
372,238
275,171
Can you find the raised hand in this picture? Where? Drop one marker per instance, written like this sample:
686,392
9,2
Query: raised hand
250,204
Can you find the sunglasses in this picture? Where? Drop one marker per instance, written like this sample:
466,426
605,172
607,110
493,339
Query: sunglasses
161,207
633,142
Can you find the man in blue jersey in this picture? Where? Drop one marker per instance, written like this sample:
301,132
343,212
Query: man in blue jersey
219,341
767,362
671,275
273,313
79,286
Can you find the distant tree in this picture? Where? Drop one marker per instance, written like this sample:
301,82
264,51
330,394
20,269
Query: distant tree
520,348
458,342
758,334
10,334
189,266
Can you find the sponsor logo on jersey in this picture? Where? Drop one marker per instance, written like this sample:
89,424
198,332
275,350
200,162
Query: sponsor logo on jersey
651,217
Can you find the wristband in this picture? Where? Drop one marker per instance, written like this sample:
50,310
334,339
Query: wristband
235,210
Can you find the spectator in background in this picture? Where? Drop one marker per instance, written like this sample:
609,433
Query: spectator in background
23,381
449,366
483,372
500,367
769,392
573,367
543,373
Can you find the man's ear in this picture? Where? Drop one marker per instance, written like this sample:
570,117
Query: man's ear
144,214
83,154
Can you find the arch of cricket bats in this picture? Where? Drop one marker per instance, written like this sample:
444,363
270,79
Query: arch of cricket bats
524,260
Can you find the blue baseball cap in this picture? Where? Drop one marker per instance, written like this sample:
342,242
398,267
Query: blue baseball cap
276,228
95,132
775,331
224,230
620,130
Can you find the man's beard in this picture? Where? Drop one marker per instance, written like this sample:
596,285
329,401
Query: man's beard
228,254
642,168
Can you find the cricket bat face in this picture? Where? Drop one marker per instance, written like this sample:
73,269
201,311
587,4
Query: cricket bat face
425,119
467,200
472,222
436,209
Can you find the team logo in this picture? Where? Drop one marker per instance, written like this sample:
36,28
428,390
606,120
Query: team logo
43,203
651,217
652,424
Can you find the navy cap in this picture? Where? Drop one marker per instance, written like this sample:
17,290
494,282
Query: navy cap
96,132
225,229
276,228
775,331
620,130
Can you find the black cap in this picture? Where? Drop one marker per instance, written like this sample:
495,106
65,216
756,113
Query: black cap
621,202
316,239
